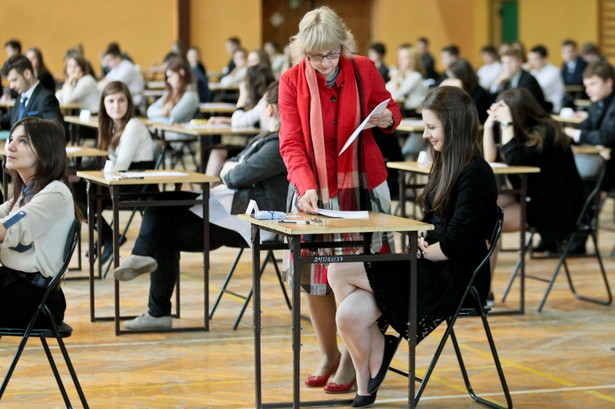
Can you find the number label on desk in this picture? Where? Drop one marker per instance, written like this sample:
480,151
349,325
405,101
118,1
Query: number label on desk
328,259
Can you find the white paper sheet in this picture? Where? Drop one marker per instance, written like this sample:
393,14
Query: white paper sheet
378,110
141,175
357,214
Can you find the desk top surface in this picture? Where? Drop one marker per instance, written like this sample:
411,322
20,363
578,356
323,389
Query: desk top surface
93,121
73,105
377,222
153,177
75,152
498,168
217,107
199,130
590,149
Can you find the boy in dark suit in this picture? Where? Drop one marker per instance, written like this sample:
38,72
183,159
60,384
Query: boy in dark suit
599,127
513,76
33,98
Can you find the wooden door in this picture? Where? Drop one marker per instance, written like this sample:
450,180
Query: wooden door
281,19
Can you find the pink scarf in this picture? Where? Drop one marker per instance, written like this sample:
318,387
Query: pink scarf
348,118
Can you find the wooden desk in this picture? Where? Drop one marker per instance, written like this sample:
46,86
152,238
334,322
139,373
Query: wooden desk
95,208
590,149
67,109
498,169
75,123
205,135
411,125
217,108
576,119
377,222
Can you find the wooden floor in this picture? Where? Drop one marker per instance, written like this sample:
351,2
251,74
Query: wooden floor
563,357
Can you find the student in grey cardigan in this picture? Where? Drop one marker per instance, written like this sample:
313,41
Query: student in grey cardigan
180,101
257,173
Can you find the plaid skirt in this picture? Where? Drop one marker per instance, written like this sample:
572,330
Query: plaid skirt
314,276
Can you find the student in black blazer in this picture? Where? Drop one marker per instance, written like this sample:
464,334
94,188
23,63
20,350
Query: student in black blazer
40,102
512,76
599,127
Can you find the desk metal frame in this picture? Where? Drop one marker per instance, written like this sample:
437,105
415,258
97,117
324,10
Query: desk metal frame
295,245
95,202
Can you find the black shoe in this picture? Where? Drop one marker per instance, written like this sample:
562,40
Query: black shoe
390,346
362,401
546,247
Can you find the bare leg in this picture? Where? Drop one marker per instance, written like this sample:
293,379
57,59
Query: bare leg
356,320
215,161
512,222
322,314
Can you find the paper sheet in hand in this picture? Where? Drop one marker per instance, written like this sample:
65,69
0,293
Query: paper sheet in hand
378,110
357,214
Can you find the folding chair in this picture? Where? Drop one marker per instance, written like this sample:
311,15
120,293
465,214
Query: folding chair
270,257
592,169
54,331
464,310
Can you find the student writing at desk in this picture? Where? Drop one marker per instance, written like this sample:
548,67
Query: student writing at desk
322,101
460,201
257,173
34,221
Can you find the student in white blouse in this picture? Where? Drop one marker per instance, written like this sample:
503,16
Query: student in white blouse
406,84
79,87
548,76
128,141
35,221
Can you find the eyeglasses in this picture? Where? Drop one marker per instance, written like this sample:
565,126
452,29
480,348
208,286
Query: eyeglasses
320,57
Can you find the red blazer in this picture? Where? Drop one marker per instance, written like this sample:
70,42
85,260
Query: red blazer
294,145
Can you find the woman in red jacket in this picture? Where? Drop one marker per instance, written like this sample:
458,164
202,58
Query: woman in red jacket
323,99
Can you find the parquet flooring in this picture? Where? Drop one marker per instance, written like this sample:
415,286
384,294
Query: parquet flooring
563,357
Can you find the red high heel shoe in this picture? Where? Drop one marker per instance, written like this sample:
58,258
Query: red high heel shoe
317,381
333,387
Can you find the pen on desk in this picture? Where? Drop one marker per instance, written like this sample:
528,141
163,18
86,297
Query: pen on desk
295,221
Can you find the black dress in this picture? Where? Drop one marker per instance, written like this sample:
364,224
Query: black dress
555,195
462,235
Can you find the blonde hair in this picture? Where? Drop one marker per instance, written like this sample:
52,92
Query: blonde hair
321,29
416,63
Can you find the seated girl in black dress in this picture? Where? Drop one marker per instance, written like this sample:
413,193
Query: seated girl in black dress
530,137
460,201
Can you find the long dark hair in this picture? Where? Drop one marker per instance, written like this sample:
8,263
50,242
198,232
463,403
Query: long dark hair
107,134
531,121
48,141
457,112
181,67
463,70
41,63
258,78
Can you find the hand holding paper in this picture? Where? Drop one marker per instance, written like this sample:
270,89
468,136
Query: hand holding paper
378,110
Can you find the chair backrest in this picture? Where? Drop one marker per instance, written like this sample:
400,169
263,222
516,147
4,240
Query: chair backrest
493,241
69,248
158,153
592,169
